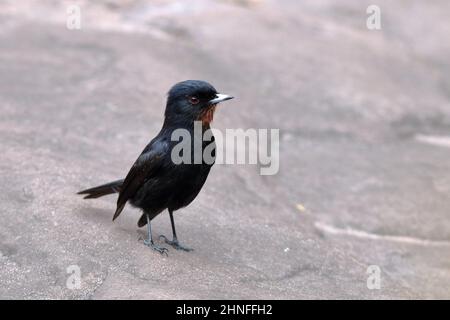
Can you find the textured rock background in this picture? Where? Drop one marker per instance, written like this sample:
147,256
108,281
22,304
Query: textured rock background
364,119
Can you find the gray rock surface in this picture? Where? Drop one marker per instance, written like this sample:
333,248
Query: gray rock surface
364,119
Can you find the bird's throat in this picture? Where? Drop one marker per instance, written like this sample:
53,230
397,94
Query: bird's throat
206,116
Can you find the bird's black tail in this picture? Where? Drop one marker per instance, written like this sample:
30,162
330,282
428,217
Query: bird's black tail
103,190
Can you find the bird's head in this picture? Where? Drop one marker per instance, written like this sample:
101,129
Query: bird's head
192,100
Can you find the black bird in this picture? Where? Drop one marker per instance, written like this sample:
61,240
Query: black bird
155,182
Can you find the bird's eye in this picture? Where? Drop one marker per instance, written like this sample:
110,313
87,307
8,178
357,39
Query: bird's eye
194,100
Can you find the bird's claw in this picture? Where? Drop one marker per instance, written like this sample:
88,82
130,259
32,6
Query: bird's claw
152,245
175,244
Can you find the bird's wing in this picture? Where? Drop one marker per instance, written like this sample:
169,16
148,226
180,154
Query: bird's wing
146,166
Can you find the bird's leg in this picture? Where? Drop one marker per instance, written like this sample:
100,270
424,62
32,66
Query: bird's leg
149,242
174,243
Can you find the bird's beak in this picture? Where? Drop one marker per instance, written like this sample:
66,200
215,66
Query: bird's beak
219,98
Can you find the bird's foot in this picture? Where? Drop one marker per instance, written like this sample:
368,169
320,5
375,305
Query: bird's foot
152,245
174,243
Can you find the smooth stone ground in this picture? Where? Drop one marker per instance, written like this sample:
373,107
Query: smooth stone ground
364,120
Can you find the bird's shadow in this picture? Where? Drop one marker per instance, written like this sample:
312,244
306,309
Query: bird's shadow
95,214
103,217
